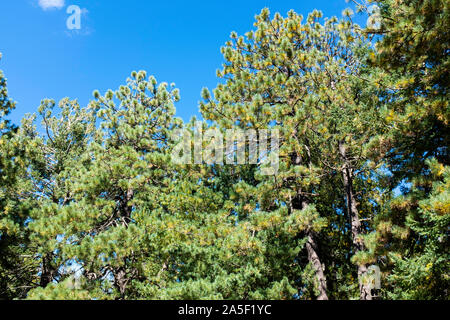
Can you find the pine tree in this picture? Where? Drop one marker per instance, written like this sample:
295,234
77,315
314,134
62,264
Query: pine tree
307,80
126,222
411,232
14,280
97,207
6,104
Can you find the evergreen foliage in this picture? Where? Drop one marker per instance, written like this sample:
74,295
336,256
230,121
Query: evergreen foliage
92,205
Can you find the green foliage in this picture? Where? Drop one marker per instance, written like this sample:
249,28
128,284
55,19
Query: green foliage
14,209
310,81
412,229
94,207
6,104
424,274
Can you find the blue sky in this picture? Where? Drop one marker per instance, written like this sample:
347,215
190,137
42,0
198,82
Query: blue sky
176,41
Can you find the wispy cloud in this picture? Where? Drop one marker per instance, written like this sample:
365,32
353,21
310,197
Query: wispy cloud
51,4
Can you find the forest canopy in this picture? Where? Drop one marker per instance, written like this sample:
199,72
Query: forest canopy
94,206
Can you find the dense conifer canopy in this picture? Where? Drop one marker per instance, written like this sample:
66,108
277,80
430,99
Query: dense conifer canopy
95,207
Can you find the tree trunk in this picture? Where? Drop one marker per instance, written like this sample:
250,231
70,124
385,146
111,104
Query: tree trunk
312,250
47,272
299,203
352,209
313,258
121,282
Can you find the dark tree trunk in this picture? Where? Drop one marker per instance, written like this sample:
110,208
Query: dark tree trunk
352,209
313,258
299,203
47,272
121,281
312,249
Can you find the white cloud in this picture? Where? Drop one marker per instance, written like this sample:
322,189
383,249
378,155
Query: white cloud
51,4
